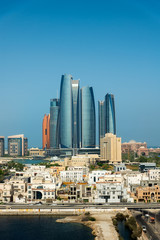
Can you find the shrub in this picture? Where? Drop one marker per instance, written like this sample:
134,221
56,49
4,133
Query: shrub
115,223
84,219
132,225
58,198
91,219
120,217
87,213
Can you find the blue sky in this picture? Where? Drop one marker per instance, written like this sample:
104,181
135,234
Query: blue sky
113,46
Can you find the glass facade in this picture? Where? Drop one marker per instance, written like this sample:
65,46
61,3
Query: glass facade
66,107
54,123
75,99
88,119
110,120
106,115
101,119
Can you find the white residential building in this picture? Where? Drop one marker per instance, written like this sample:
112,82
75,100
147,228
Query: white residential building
41,192
71,176
110,192
134,178
154,174
84,169
119,167
94,176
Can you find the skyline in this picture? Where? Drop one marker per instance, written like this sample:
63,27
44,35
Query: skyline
113,47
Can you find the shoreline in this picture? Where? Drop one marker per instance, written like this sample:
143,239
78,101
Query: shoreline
102,227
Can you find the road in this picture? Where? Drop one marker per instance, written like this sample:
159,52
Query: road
136,206
152,232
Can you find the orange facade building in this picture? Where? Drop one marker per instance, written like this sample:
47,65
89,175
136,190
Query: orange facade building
46,132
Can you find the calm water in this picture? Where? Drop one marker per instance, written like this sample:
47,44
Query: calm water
41,228
124,231
28,161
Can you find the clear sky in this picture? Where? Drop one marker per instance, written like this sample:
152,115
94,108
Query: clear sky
113,46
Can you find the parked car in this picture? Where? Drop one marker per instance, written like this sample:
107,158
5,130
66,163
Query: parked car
144,228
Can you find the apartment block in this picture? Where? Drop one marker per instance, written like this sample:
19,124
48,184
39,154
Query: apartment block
17,145
71,176
1,146
110,192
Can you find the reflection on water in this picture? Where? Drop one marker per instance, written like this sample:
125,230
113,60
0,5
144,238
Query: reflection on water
41,228
29,161
124,231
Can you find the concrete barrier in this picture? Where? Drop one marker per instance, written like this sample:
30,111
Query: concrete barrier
63,211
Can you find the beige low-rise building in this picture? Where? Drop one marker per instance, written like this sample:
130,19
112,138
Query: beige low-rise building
111,178
36,152
19,189
147,194
80,192
110,148
82,160
55,170
6,192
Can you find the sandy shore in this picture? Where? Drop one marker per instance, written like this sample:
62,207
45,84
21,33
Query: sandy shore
103,228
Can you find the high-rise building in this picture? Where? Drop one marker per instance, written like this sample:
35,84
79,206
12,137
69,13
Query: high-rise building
110,148
54,123
76,117
72,121
66,107
17,145
101,119
107,119
110,119
1,146
46,132
88,118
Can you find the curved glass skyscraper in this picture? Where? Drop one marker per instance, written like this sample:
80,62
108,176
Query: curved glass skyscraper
75,99
106,115
88,118
66,107
110,119
54,123
101,119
